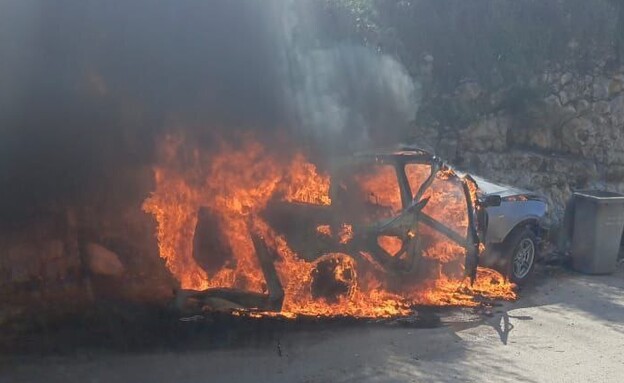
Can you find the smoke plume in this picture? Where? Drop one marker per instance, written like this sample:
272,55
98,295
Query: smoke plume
87,87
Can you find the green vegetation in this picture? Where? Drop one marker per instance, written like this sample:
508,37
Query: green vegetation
494,42
498,44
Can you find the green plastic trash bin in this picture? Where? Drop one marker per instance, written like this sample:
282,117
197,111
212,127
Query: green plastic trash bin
598,226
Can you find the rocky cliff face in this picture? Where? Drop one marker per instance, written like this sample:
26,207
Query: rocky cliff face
569,137
538,105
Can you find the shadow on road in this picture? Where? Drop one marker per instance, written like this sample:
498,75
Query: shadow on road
431,345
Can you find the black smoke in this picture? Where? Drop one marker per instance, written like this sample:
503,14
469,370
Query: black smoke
86,87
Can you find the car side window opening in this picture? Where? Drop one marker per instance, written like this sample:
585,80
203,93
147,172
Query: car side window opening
416,174
447,201
369,192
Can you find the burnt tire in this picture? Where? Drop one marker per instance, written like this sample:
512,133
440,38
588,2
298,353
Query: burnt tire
334,276
520,254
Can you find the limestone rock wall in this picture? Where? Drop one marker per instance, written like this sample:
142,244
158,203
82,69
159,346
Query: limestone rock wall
568,138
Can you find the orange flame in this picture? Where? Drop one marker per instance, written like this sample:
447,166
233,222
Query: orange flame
324,230
346,233
236,183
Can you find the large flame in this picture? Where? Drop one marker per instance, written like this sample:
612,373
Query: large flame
237,181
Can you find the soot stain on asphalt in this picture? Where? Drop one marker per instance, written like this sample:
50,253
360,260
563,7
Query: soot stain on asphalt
155,329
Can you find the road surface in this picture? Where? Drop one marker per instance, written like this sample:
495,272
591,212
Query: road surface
567,328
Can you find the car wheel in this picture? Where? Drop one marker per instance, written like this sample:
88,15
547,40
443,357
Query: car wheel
521,252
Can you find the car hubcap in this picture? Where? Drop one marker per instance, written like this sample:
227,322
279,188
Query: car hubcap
523,259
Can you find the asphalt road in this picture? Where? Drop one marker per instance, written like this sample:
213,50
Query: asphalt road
567,328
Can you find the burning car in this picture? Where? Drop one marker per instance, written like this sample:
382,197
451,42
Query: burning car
389,207
381,231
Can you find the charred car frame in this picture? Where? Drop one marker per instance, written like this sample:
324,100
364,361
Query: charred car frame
502,227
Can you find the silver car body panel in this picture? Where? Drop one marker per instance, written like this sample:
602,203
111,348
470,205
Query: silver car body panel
501,220
504,218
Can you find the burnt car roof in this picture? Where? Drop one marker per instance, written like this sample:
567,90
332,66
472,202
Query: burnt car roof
415,153
403,153
400,151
